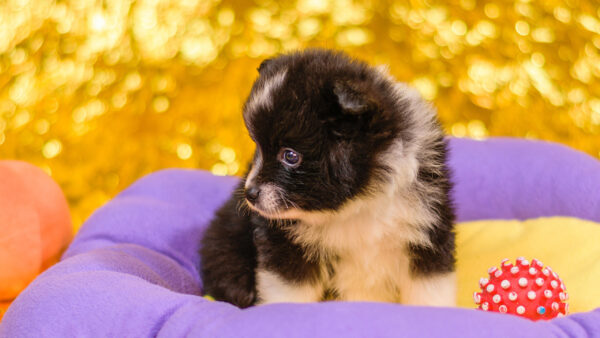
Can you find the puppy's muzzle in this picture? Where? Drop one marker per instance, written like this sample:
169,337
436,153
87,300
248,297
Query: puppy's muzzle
252,193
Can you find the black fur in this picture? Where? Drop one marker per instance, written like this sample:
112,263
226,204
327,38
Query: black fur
440,257
339,115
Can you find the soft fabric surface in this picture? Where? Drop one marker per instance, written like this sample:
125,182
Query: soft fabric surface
132,270
568,245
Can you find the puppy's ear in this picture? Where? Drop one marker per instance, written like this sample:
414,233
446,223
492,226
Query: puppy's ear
352,99
263,65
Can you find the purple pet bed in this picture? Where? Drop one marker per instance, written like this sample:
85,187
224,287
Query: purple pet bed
132,270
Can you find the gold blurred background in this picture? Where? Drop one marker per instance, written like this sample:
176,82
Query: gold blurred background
99,93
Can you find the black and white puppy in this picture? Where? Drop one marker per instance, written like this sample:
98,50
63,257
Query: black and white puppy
347,196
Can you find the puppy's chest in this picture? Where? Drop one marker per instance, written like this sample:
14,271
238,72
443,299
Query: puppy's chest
362,259
372,273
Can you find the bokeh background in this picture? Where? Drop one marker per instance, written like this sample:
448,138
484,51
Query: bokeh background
99,93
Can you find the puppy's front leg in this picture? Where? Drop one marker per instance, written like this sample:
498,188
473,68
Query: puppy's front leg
284,274
430,278
430,290
272,288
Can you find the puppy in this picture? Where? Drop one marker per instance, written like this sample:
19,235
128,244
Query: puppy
347,196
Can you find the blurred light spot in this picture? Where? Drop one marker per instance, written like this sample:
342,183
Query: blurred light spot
261,19
133,81
219,169
524,8
313,6
79,114
22,90
543,34
232,168
353,37
459,27
184,151
18,56
445,79
98,22
42,126
491,10
524,46
22,118
467,4
538,59
227,155
201,49
226,17
426,87
309,27
595,106
160,104
52,148
486,28
590,23
118,100
522,27
562,14
459,130
581,71
576,95
477,129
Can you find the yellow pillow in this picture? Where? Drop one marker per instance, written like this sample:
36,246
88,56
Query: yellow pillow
570,246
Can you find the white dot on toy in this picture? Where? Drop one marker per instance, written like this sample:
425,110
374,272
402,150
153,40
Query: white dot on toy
476,298
524,289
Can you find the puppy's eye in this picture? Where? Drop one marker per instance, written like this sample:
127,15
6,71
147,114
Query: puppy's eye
290,157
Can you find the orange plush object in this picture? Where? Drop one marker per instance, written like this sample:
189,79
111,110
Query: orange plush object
35,225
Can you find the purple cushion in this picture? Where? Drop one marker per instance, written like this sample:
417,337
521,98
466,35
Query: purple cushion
132,269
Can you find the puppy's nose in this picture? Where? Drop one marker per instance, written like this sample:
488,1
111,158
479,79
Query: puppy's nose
252,193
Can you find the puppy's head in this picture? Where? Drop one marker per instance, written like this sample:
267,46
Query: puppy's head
320,121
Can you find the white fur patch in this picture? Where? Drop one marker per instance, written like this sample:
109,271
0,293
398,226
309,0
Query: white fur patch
431,291
270,197
274,289
263,96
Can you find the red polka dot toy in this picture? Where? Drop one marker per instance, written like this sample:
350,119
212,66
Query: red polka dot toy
527,290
